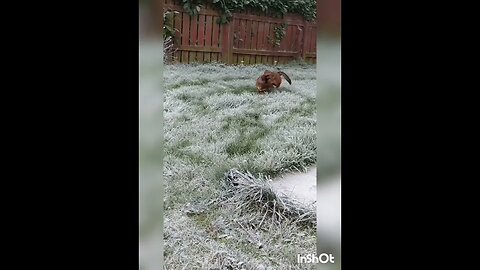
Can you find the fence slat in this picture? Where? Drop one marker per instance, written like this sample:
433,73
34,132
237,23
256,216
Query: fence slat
313,39
178,34
215,33
248,34
269,37
208,37
243,33
260,36
253,42
236,31
227,32
194,38
201,36
185,35
193,30
306,40
266,33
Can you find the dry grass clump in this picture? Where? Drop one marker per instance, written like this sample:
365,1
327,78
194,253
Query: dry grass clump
252,194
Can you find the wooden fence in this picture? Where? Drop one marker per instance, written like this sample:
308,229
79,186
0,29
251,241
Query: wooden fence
248,37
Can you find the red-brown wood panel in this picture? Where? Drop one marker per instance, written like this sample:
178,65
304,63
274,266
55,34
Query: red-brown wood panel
185,35
201,37
260,36
266,32
313,39
193,30
201,30
254,31
215,33
253,42
243,33
297,37
236,35
270,38
208,36
178,34
309,43
248,35
306,41
290,38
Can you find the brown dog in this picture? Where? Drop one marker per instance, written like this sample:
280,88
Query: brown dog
271,79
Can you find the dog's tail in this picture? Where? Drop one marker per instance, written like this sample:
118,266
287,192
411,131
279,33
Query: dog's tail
285,76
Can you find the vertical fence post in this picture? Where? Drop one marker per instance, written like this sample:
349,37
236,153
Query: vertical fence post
304,40
299,41
227,42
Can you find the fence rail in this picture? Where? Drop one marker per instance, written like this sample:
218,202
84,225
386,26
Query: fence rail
249,37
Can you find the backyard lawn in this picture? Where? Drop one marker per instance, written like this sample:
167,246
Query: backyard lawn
214,121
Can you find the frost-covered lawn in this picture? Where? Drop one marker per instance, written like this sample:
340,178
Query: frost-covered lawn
215,121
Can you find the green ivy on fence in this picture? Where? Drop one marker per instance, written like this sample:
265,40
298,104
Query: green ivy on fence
279,31
306,8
